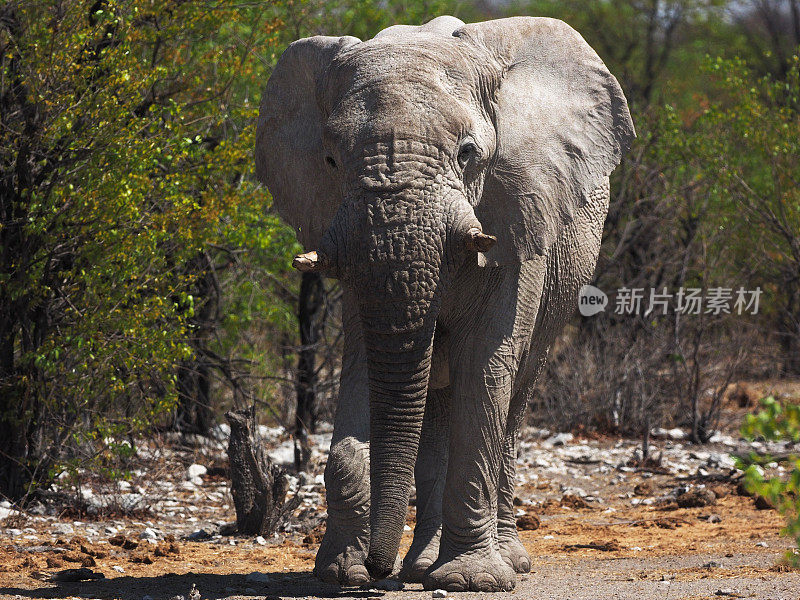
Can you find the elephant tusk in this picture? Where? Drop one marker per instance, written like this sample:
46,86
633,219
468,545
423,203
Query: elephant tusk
477,241
309,262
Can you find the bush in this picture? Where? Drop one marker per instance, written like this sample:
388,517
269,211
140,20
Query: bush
776,422
125,154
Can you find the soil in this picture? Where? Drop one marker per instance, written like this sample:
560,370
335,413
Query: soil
597,520
675,553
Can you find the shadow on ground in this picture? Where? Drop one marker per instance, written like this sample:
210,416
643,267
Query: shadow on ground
211,587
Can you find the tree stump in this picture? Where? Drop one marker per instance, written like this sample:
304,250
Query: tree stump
258,487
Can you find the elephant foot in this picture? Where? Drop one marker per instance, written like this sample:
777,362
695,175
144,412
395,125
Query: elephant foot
514,554
421,555
474,571
341,556
341,562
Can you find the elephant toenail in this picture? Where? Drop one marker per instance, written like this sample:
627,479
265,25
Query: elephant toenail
455,582
356,575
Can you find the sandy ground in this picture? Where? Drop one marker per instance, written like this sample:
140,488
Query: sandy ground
596,524
636,552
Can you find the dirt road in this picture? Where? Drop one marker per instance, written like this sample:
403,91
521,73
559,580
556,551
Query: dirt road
596,525
558,578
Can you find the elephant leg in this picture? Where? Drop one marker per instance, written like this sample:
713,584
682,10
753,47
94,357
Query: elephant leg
429,477
469,557
340,558
511,549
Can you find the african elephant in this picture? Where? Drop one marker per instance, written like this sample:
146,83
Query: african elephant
455,179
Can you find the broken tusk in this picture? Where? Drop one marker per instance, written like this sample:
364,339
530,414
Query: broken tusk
309,262
477,241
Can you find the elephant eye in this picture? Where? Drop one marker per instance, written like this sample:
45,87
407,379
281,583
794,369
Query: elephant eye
467,151
330,161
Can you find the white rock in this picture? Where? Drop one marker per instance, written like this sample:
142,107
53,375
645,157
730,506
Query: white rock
283,454
439,594
261,541
118,569
257,578
270,432
721,438
388,585
63,529
559,439
762,544
670,434
123,501
199,535
148,534
195,472
221,431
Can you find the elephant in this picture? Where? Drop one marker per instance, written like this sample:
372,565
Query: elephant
455,178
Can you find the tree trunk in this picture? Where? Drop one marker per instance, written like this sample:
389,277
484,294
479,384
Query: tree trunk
14,476
789,329
311,317
258,487
14,473
193,413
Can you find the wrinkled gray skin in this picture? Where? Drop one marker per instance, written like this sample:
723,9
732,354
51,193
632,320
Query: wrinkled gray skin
390,157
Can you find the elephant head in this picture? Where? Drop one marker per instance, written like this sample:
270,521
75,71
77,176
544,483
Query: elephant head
401,158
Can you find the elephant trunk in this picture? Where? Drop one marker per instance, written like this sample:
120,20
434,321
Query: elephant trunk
392,248
399,368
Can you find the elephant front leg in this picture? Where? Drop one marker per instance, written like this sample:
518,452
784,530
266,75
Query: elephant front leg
429,478
469,555
511,548
340,558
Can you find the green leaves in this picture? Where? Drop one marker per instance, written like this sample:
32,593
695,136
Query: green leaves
136,158
776,421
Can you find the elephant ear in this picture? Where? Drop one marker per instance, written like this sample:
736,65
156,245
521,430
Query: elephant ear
288,153
562,125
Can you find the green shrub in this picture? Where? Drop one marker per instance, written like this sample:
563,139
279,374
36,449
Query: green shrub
776,421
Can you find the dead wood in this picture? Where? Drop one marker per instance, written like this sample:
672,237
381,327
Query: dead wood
258,487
